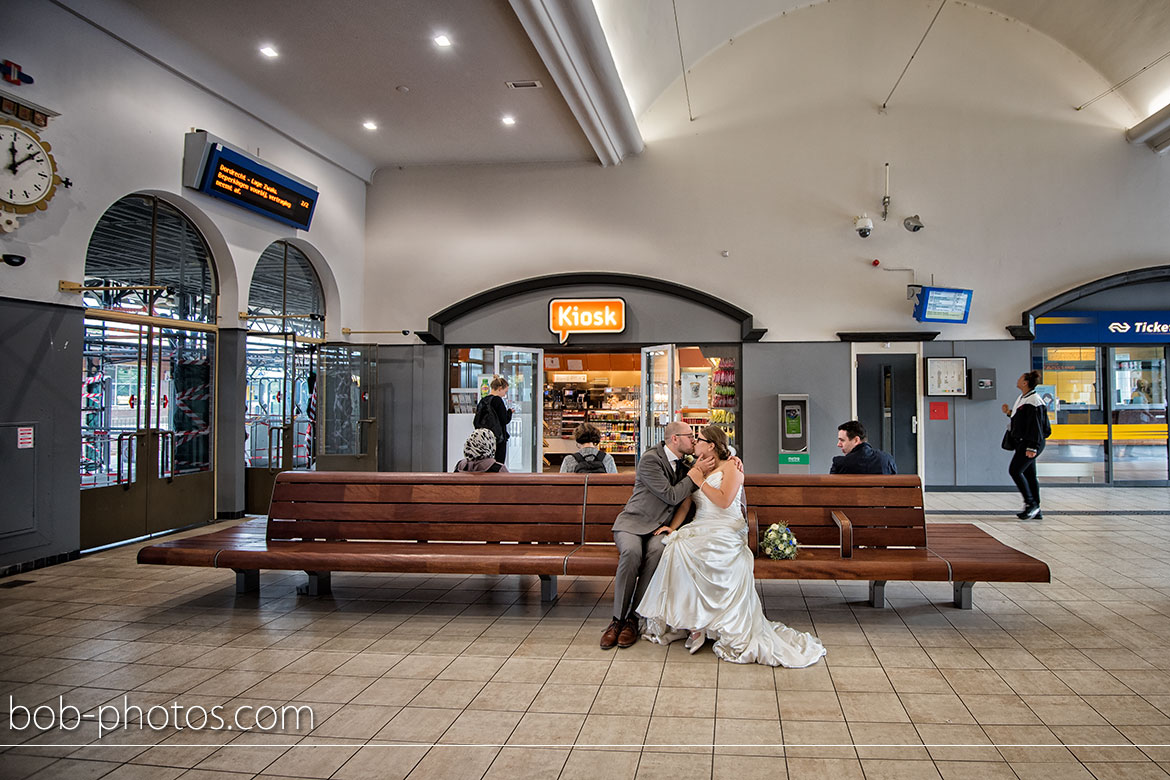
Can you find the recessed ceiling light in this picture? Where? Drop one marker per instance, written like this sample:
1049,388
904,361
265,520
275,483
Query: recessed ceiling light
268,51
442,40
370,124
508,119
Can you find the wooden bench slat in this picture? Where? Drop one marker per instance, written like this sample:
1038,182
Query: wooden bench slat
453,532
430,513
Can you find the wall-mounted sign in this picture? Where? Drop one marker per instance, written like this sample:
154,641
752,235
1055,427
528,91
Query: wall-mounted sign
942,304
946,376
222,171
1104,327
570,378
586,315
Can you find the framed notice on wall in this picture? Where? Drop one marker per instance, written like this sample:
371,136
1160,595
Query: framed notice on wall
946,376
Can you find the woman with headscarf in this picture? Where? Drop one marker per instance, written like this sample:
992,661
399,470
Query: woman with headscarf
479,453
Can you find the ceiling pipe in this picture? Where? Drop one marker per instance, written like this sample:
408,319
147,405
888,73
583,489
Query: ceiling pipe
1154,131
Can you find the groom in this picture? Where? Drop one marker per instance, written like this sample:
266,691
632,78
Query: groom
663,480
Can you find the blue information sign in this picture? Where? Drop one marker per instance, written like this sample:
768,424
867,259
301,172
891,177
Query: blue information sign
1103,327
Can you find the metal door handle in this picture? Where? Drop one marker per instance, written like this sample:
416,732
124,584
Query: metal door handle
279,445
367,421
169,469
914,424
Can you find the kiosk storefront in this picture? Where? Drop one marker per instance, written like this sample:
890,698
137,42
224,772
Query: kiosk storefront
1105,382
648,352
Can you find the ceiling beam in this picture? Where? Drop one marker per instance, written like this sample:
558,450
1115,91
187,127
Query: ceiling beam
569,38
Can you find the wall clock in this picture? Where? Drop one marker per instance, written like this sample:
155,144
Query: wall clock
28,172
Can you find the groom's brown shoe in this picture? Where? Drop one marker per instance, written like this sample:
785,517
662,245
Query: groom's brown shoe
610,637
629,634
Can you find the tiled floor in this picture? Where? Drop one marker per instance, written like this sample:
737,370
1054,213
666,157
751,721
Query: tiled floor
467,677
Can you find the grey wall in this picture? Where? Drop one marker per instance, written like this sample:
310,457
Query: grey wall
410,388
40,350
820,369
231,385
1135,297
963,450
651,318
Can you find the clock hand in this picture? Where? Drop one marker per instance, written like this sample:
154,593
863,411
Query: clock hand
12,152
17,163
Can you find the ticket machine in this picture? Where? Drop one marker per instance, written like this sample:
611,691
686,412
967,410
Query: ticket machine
794,433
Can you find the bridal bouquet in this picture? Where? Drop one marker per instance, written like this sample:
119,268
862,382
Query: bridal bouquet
779,542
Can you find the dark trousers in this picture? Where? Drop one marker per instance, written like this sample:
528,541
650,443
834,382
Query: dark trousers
1023,472
501,450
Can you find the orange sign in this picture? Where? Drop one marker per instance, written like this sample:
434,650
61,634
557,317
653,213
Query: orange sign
586,315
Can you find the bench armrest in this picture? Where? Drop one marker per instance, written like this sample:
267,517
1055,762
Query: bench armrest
753,540
846,529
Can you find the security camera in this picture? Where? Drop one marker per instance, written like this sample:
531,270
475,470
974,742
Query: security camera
14,260
863,225
406,333
913,224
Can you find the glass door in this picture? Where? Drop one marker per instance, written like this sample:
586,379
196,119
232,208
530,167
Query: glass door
658,402
147,430
1137,413
524,370
346,409
268,433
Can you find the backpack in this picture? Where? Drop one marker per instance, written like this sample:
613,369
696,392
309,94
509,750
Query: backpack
1045,424
485,417
590,464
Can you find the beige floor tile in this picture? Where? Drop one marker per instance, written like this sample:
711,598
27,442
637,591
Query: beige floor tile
976,770
957,742
1034,682
369,664
623,700
875,707
578,672
564,698
851,656
251,752
670,766
1063,711
481,727
525,670
1093,683
908,657
74,770
505,696
935,708
473,668
754,676
381,762
824,769
809,705
336,688
426,667
685,702
690,675
745,767
547,728
356,721
957,658
1006,709
985,681
1127,711
748,737
918,680
870,739
818,739
680,735
443,762
896,769
613,732
812,678
746,703
1028,744
1127,771
1036,770
390,691
638,673
594,764
447,693
869,679
518,763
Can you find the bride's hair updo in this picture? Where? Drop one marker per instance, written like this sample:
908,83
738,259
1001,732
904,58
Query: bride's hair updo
718,439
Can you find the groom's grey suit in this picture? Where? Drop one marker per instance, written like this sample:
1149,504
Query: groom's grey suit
658,489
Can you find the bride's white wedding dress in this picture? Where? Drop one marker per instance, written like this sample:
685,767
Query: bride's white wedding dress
705,581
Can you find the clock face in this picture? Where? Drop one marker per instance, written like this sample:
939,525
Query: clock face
27,170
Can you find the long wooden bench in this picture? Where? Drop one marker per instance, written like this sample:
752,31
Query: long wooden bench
850,528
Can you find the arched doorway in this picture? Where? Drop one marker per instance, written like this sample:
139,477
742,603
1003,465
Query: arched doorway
147,417
286,323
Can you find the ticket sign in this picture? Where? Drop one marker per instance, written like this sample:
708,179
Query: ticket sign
586,315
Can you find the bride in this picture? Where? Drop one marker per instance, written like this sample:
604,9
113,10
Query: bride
704,586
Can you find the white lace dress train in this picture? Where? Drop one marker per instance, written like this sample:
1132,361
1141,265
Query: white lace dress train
705,581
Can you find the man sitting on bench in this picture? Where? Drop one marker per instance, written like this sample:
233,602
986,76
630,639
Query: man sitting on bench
859,457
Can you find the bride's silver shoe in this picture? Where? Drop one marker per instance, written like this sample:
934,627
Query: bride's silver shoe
695,641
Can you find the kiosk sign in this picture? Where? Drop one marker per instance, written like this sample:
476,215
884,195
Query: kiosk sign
586,315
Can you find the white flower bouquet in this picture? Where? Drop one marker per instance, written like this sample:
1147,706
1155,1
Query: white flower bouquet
779,542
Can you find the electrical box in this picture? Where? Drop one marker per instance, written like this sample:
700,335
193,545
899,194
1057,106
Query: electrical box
981,384
794,434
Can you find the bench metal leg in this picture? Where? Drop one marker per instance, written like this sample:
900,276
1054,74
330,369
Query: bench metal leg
877,594
548,587
319,584
963,594
247,580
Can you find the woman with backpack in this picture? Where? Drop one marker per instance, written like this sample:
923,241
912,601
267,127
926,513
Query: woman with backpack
492,413
588,459
1025,437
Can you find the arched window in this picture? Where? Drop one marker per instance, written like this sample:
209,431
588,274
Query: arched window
155,259
286,295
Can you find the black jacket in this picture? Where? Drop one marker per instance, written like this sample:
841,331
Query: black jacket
493,414
864,459
1027,427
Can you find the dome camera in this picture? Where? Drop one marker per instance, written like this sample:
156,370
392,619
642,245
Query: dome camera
863,225
913,224
14,260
